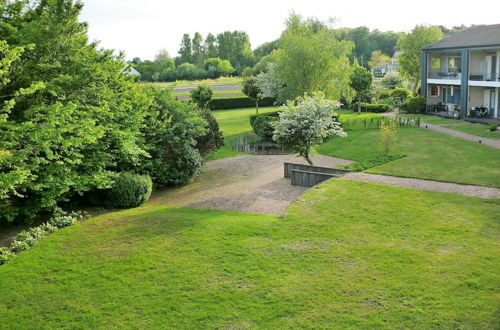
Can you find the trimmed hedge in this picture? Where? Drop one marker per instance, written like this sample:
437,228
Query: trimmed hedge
376,108
238,102
413,105
129,190
262,124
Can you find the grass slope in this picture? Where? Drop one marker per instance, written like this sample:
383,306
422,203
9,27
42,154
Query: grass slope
234,123
347,254
430,155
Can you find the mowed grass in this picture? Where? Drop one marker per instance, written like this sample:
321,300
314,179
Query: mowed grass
234,123
218,81
429,155
432,119
476,129
347,255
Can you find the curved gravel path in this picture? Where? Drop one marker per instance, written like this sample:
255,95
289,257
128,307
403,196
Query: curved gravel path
252,184
468,190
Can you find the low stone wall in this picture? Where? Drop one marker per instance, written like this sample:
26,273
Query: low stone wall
308,179
316,169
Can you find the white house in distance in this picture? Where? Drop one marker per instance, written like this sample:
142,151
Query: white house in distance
461,73
133,72
383,69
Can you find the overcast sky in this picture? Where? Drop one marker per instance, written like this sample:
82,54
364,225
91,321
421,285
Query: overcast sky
141,28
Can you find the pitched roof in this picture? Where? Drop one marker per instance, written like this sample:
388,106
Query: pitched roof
476,36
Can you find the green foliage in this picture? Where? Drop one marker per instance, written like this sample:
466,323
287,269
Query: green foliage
237,102
378,59
252,90
360,81
377,108
186,49
311,59
399,95
201,95
5,255
388,135
415,104
213,139
247,73
262,124
170,137
61,219
234,46
411,44
129,190
375,122
216,67
305,122
392,80
71,118
493,128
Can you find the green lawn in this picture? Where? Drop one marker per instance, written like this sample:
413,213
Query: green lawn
234,123
476,129
215,93
347,255
432,119
430,155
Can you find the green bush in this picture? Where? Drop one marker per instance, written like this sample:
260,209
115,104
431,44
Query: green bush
61,219
213,139
5,255
399,95
201,95
413,105
376,108
238,102
262,126
493,127
129,190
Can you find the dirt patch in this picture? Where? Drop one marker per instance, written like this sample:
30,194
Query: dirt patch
252,184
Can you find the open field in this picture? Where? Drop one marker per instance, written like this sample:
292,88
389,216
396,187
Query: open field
218,81
347,254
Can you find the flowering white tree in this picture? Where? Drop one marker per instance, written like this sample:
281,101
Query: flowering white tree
305,122
268,84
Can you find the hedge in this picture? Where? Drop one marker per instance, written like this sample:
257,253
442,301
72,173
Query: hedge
238,102
377,108
262,124
415,104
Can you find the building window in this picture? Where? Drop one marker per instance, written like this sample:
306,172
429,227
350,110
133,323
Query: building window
434,90
454,64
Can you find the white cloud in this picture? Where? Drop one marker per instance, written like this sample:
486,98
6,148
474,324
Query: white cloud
141,28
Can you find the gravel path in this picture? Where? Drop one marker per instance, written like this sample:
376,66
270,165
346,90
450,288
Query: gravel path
475,191
252,184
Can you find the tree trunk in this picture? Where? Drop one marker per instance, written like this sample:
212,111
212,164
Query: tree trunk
359,103
415,87
306,156
257,106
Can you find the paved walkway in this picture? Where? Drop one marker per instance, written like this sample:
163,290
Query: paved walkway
429,185
253,184
458,134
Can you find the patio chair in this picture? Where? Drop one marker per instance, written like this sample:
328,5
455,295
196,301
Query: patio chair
483,112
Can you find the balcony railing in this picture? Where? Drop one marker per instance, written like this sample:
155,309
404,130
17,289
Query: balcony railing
444,75
483,76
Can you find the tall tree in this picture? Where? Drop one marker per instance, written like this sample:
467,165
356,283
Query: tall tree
411,44
198,50
211,50
311,59
235,47
378,59
361,81
186,50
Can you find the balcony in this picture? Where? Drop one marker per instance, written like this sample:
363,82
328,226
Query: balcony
444,75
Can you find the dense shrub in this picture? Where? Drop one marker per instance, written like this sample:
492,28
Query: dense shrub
392,80
201,96
384,97
377,108
399,95
413,105
493,127
5,255
129,190
61,219
262,125
171,132
237,102
213,139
